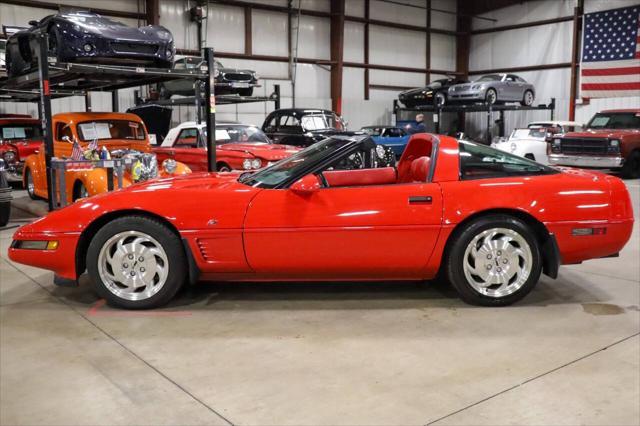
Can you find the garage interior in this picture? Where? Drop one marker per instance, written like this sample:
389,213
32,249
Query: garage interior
334,353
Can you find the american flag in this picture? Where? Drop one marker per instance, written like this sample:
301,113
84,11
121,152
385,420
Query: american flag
76,152
610,64
93,145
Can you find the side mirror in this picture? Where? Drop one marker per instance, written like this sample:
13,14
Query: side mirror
306,185
66,139
33,23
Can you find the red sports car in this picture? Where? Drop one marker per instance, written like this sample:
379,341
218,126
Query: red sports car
20,136
238,147
488,221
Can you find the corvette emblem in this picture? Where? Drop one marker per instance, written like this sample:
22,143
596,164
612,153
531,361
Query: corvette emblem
212,222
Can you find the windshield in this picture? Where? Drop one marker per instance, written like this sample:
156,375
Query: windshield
372,131
321,121
436,84
615,120
283,170
481,162
490,77
111,129
93,21
20,132
537,133
239,134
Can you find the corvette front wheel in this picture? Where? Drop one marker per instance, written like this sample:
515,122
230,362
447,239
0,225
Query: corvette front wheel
136,262
494,261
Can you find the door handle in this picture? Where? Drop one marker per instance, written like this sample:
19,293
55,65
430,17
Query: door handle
420,200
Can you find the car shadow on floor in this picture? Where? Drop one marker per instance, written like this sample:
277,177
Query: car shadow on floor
568,289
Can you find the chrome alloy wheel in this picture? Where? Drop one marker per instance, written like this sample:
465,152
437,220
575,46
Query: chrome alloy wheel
31,188
491,96
528,98
133,265
497,262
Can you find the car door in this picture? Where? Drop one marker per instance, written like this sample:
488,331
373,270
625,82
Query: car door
355,232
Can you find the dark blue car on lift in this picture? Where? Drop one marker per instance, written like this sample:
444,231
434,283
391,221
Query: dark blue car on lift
392,137
90,38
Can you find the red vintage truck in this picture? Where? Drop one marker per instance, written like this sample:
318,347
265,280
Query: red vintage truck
20,136
611,140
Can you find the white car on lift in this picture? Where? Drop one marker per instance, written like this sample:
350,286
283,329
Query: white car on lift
531,142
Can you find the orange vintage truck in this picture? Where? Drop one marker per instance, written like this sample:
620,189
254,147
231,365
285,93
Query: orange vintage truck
123,135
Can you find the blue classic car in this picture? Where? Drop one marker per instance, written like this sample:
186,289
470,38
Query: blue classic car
389,136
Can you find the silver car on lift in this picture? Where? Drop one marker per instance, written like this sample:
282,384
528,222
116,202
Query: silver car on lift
494,88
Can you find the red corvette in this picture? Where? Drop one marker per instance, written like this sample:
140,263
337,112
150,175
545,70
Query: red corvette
20,136
488,221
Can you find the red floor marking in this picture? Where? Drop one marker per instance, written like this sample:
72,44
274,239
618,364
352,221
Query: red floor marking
95,311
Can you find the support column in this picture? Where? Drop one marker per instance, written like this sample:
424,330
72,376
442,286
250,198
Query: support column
153,12
366,49
427,76
575,52
337,53
463,46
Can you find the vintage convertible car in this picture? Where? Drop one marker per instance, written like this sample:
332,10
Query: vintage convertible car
228,80
435,93
302,126
304,219
533,142
494,88
238,147
124,135
89,37
20,136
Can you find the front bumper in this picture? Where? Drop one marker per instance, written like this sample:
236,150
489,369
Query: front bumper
469,95
62,260
599,162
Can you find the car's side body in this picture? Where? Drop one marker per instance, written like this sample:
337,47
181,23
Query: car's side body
20,136
507,88
94,180
89,37
302,126
185,143
378,226
392,137
435,93
606,146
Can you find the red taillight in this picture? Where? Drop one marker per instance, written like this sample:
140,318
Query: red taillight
579,232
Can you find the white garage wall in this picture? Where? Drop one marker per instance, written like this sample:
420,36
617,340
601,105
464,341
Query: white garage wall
225,31
547,44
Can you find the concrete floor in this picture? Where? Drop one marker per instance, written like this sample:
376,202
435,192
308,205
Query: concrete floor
327,354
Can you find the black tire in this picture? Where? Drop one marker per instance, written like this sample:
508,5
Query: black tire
526,100
54,44
245,92
491,96
631,167
454,262
171,244
223,167
28,176
79,191
440,99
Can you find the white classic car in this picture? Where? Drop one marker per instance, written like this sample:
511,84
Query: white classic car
531,142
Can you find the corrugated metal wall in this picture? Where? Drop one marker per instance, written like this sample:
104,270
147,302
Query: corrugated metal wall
546,44
225,32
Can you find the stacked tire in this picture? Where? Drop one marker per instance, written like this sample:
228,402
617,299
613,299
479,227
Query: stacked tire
5,197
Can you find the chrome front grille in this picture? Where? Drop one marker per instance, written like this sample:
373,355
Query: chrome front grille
122,47
232,76
586,146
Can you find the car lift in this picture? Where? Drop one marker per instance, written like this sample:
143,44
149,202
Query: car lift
460,109
54,80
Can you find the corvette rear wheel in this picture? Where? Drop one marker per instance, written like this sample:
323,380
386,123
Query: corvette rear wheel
136,262
494,261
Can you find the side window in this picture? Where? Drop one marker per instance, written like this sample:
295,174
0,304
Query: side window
272,125
187,138
510,78
481,162
394,133
289,124
62,130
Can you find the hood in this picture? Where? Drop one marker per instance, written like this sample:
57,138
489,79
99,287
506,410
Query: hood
269,152
109,29
234,70
24,147
602,133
